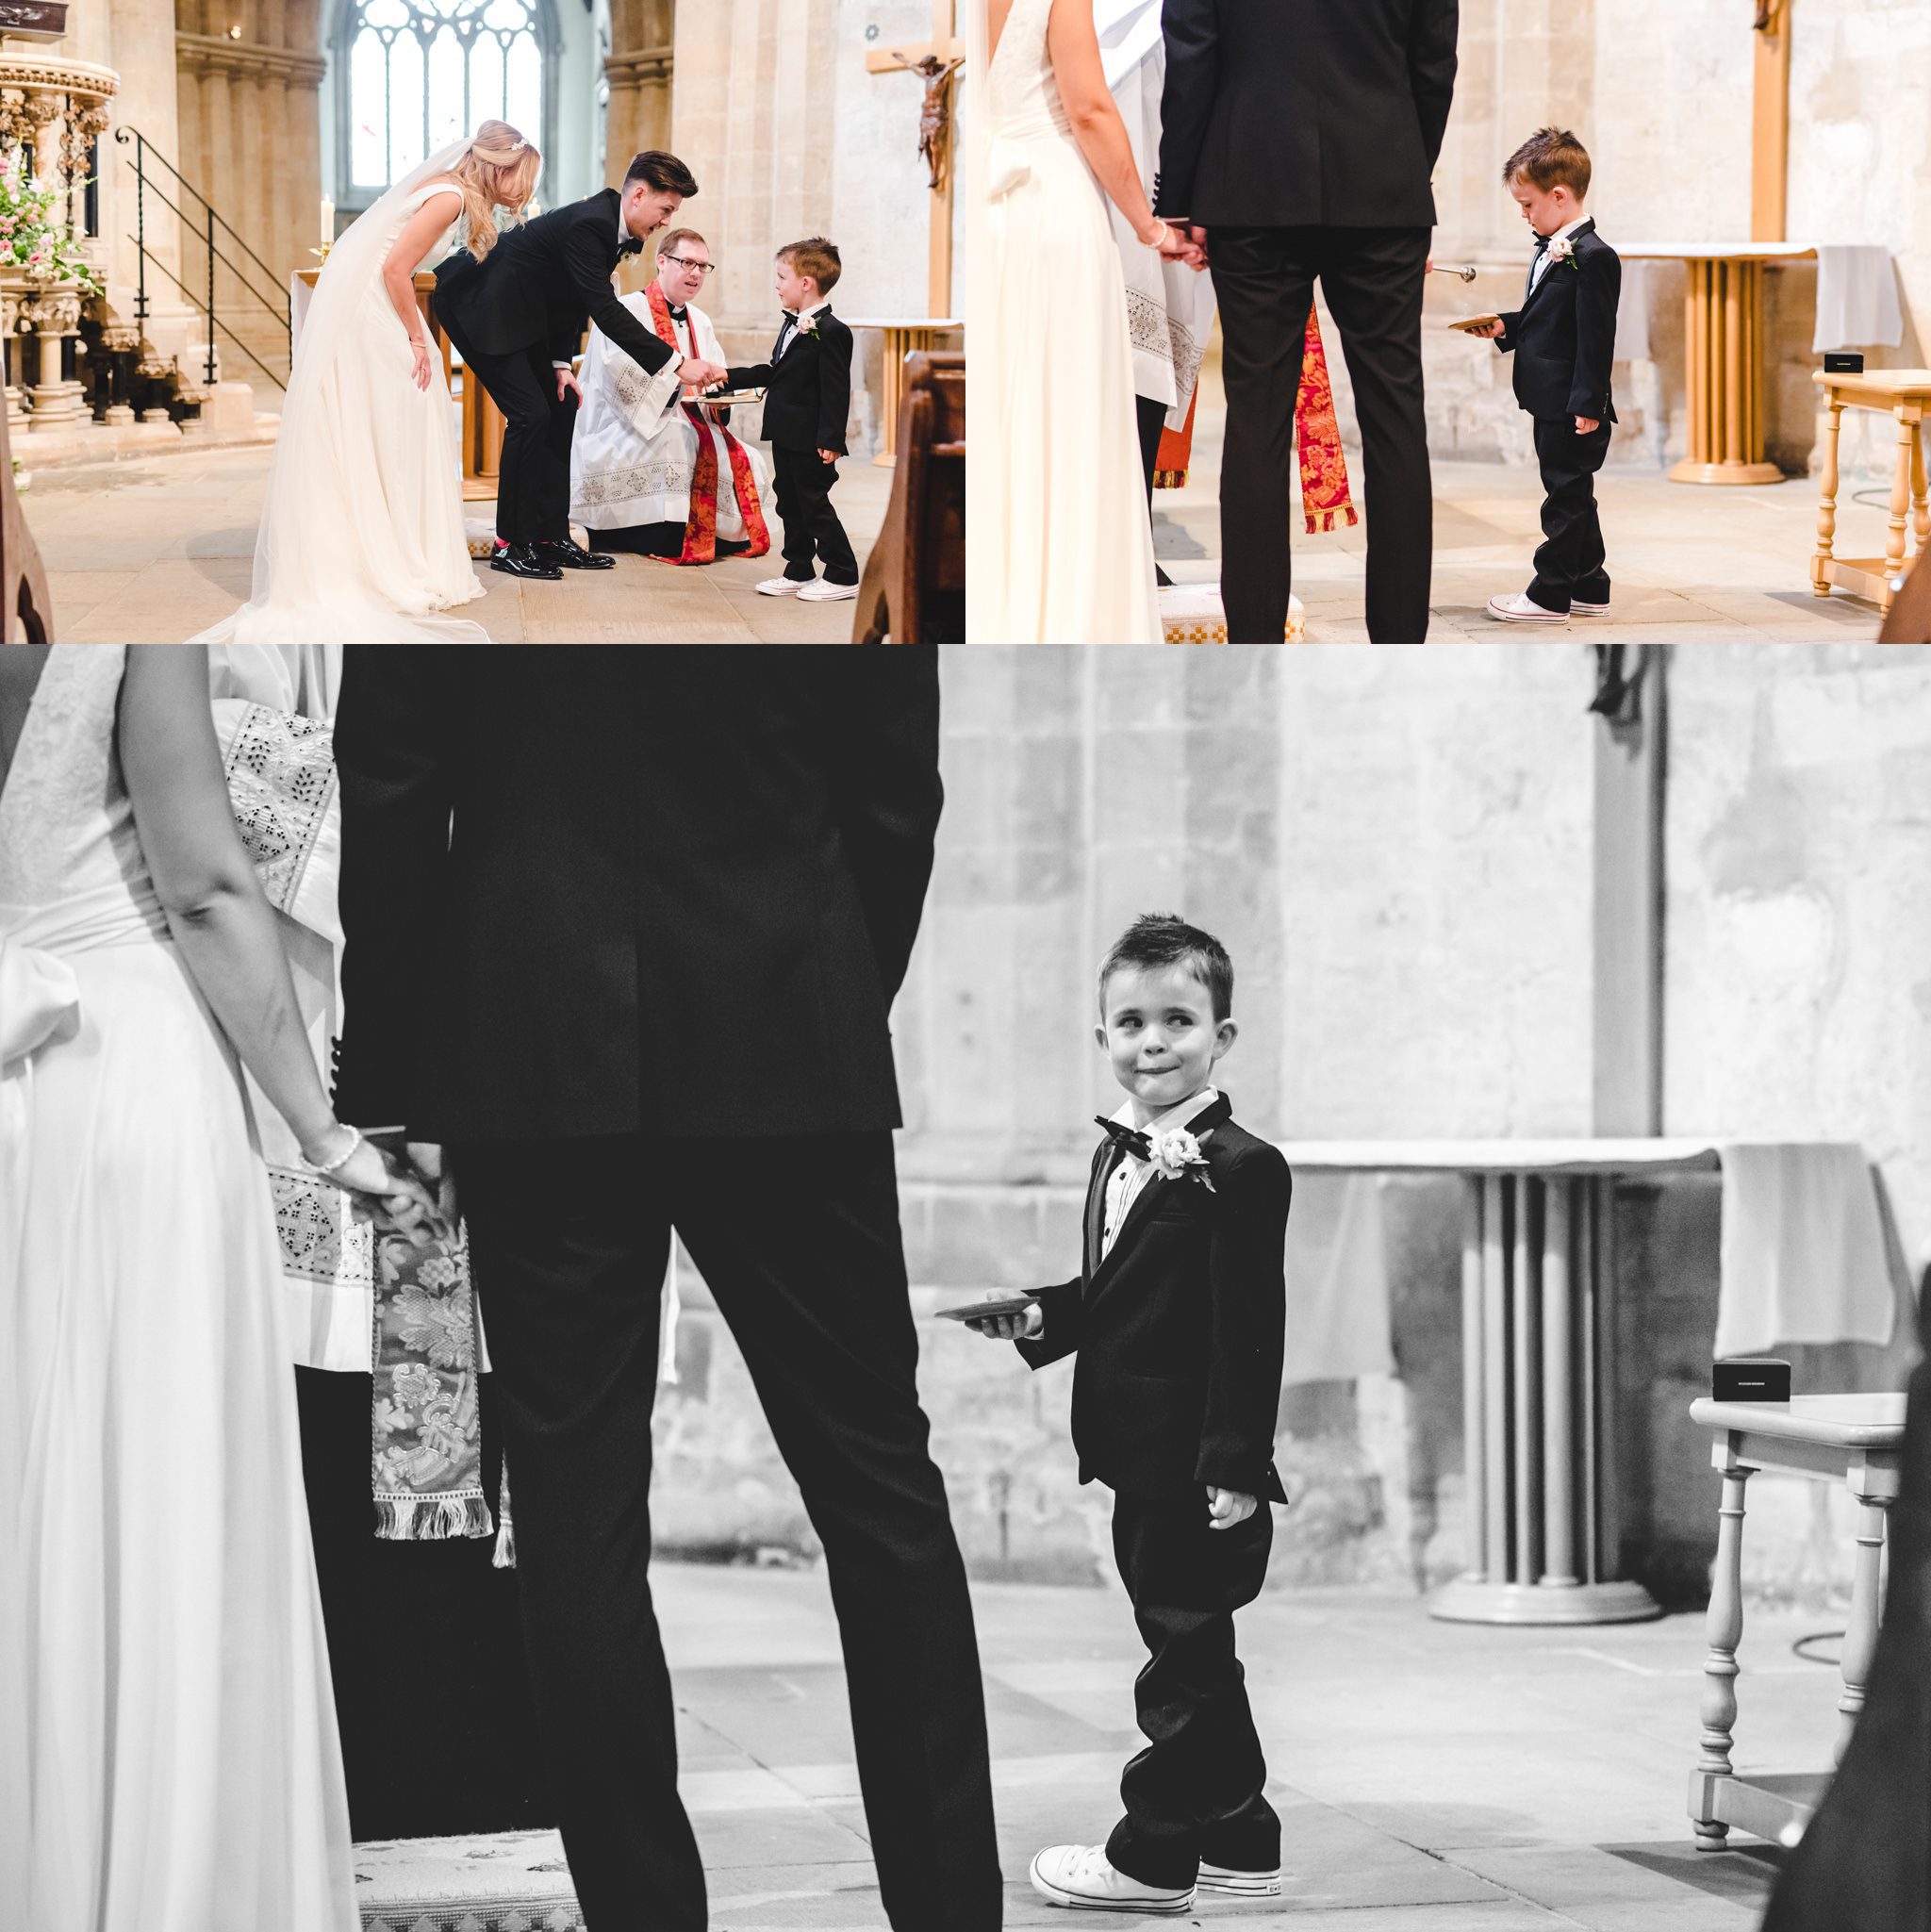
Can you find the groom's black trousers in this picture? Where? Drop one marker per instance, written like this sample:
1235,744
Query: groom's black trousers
798,1239
532,486
1372,277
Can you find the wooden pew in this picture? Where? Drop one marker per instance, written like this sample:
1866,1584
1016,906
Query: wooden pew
26,613
914,587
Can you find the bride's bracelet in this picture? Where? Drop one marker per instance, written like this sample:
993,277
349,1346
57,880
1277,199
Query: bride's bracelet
1162,230
342,1158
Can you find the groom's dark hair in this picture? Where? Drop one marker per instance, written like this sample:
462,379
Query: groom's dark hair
664,172
1164,939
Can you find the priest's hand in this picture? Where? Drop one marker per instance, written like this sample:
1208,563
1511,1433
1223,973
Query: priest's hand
565,380
694,373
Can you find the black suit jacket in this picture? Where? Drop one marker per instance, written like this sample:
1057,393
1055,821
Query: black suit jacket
595,892
1304,113
1565,334
542,284
808,390
1180,1331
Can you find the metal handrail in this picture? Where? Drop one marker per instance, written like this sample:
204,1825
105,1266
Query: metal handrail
278,305
215,323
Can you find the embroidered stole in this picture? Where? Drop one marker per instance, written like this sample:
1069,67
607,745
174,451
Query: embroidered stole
1324,496
700,527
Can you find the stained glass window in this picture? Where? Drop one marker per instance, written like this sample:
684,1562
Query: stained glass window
421,74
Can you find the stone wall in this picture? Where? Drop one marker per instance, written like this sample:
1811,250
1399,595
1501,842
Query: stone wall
1399,858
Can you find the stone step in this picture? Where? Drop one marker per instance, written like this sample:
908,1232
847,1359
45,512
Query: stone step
511,1881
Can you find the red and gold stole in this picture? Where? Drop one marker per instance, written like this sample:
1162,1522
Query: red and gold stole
1324,496
701,528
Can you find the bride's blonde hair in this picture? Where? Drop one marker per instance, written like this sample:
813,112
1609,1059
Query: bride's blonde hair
499,171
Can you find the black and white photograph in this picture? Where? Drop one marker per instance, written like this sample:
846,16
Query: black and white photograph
686,1288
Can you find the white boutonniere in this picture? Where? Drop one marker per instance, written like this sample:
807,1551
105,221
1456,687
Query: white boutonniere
1563,249
808,324
1175,1156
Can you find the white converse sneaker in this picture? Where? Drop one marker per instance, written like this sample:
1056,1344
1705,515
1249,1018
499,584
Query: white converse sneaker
1231,1883
1578,609
1081,1876
824,591
1518,607
783,586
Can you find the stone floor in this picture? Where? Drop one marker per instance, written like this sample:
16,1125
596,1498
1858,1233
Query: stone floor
1689,564
153,551
1431,1777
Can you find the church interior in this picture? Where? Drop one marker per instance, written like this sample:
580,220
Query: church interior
193,156
1756,165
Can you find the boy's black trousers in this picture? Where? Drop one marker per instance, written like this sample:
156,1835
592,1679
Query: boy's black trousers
812,528
1570,563
1195,1794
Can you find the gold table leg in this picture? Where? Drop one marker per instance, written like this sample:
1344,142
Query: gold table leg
1724,337
1826,508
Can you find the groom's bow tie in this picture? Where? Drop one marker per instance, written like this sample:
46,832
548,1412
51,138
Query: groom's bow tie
1125,1138
629,245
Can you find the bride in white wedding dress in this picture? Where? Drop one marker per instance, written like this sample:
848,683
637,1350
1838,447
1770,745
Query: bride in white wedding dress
361,537
168,1750
1061,547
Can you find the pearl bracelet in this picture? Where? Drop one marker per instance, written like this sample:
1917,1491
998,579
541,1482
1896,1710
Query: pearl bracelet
342,1160
1165,228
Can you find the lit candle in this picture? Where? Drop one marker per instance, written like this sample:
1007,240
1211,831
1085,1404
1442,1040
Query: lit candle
328,222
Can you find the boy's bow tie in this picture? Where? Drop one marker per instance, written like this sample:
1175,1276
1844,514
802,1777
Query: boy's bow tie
1542,244
1126,1139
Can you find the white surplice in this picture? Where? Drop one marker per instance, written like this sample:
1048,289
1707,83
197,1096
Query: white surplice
1062,549
168,1758
1170,306
635,447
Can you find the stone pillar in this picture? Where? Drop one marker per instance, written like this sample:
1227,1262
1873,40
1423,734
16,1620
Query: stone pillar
10,323
54,315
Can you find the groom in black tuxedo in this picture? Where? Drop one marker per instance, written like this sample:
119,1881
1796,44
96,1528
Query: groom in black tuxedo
517,318
624,929
1298,138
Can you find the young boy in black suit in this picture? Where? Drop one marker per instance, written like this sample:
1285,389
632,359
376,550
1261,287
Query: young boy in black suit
1564,339
1178,1318
807,387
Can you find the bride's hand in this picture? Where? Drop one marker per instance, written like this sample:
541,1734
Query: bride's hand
380,1179
419,374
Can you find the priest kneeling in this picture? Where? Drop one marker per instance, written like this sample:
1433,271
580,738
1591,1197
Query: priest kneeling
652,471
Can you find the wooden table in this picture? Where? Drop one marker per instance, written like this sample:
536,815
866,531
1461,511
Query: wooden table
1538,1365
1904,393
482,421
1858,1441
904,335
1723,354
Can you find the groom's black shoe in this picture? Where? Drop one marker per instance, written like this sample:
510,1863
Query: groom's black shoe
570,555
522,560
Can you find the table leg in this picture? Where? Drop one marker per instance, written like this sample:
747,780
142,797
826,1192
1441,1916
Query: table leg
1476,1562
1860,1635
1921,501
1900,505
1826,509
1725,1631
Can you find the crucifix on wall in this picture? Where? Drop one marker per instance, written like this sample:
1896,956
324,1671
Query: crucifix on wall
1770,143
935,62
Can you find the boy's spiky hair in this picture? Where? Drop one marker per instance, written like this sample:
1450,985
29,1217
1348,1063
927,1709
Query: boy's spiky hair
1165,939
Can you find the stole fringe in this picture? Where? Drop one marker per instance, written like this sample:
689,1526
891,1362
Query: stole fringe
505,1557
431,1518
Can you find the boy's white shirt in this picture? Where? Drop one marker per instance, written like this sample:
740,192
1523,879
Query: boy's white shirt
1130,1177
1548,254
